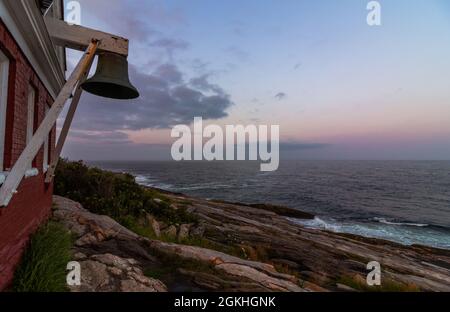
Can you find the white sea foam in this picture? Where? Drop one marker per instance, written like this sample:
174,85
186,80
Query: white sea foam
207,186
148,181
383,220
140,179
396,232
318,223
345,195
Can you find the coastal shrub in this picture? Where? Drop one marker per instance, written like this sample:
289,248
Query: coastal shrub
114,194
43,266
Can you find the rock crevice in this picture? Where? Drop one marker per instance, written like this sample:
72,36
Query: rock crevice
277,254
112,258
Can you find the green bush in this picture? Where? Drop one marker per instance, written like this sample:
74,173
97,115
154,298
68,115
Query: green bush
113,194
43,266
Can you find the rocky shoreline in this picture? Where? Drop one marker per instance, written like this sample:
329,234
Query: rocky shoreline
236,247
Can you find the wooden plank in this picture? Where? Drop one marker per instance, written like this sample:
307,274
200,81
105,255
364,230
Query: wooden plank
12,182
4,74
78,37
65,129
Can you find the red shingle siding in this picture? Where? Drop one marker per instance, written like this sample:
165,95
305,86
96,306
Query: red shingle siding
32,204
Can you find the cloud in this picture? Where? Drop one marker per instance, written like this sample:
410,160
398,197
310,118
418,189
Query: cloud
102,137
203,84
237,53
238,28
168,95
295,146
199,66
145,23
133,18
168,73
131,152
170,45
280,96
145,152
166,100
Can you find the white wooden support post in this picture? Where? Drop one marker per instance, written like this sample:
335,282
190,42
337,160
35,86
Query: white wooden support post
9,187
78,37
65,129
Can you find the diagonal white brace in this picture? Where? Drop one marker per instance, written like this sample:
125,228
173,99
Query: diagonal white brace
12,182
65,129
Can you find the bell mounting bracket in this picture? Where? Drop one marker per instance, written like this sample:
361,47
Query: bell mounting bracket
75,37
79,37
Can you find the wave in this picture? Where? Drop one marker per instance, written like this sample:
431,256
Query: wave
140,179
406,235
203,187
318,223
147,181
385,221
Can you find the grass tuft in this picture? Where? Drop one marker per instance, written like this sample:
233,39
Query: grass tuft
43,266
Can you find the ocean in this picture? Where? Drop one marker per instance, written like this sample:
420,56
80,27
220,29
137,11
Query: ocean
401,201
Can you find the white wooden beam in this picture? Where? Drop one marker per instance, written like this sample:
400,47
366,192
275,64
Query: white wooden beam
78,37
65,129
12,182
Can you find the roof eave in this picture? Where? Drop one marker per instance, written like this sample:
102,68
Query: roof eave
29,19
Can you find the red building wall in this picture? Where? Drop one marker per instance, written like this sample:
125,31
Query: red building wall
32,204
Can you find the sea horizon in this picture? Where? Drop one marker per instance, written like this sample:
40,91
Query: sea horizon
398,200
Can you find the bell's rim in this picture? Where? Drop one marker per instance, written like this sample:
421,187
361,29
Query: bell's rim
115,90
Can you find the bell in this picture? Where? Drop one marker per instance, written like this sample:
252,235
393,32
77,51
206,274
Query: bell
111,78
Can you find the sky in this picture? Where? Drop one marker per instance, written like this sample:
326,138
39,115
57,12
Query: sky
337,87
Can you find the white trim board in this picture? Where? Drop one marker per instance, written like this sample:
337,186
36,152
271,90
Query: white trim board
30,115
45,162
25,22
4,75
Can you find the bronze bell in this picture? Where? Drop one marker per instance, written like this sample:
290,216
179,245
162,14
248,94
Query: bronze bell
111,78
